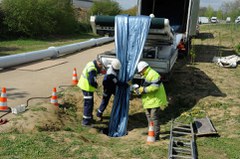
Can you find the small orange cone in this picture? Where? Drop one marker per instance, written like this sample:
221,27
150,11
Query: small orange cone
3,101
54,99
74,77
151,134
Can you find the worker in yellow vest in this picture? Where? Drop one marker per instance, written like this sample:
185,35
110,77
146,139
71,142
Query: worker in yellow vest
153,95
88,84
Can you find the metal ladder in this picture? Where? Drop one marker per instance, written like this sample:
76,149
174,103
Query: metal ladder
182,141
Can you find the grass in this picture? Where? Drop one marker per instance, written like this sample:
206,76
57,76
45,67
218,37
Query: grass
220,40
225,36
23,45
71,145
196,91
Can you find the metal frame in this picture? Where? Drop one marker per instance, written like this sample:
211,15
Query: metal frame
182,141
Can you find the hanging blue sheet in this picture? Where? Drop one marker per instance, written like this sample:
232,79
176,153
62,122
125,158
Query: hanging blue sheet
130,36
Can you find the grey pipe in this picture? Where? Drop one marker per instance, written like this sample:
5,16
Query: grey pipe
67,49
51,52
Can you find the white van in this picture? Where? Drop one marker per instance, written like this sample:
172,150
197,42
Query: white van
228,19
203,20
237,20
214,20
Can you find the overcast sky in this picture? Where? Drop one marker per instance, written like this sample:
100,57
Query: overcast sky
125,4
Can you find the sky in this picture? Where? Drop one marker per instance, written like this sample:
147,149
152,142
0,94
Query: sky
215,4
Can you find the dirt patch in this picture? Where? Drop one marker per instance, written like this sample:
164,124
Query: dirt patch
41,116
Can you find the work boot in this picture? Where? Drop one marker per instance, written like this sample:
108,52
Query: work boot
99,116
86,123
157,138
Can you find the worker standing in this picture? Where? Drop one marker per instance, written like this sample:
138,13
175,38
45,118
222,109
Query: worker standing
153,95
88,84
110,82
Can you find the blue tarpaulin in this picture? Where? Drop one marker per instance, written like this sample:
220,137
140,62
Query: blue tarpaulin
130,36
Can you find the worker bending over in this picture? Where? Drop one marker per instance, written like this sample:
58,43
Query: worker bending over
110,82
153,95
88,84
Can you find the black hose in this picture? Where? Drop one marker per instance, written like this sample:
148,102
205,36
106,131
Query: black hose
37,98
5,114
61,86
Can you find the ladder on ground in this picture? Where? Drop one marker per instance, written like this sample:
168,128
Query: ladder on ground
182,141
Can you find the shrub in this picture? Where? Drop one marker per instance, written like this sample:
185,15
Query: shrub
105,7
238,48
39,17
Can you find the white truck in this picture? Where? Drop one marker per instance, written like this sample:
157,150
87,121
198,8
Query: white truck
203,20
173,20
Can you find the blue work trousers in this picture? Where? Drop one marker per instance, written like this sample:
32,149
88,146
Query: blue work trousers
104,103
88,107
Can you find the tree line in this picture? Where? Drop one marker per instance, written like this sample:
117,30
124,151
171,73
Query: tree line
227,9
33,18
41,18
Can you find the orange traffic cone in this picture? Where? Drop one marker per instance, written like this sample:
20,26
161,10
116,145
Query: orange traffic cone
151,134
54,99
74,77
3,101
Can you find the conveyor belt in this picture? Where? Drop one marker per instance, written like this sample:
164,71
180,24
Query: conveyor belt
108,21
160,29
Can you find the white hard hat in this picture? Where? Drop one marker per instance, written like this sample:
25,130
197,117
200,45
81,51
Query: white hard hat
116,64
152,15
142,65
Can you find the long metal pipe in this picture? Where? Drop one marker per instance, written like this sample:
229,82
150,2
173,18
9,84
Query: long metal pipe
51,52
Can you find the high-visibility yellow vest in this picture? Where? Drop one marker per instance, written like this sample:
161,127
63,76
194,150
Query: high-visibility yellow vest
83,82
155,95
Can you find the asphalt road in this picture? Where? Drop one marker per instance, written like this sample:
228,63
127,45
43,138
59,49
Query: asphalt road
24,84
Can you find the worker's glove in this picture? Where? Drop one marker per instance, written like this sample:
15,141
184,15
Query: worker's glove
141,90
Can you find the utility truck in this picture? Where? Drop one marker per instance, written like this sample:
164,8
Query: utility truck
172,20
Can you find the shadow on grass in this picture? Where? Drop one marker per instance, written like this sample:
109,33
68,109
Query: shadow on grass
206,53
137,120
3,50
204,36
187,86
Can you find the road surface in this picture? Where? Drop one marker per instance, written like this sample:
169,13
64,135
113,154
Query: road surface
22,84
